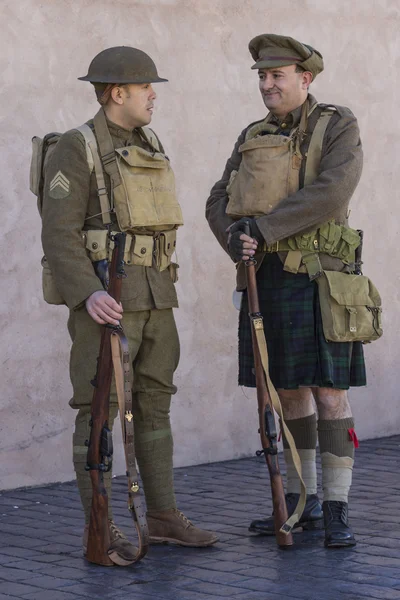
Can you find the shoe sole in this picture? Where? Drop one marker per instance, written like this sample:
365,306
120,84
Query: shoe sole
165,540
306,526
340,545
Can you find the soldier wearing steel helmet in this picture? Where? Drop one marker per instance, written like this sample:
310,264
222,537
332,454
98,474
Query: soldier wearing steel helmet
292,173
74,221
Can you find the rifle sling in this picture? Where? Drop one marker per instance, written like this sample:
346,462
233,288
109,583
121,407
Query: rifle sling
123,382
263,350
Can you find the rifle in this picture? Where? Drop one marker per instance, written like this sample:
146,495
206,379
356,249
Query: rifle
100,448
267,429
113,356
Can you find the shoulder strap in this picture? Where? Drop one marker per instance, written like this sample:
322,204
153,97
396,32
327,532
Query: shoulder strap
93,159
315,148
106,146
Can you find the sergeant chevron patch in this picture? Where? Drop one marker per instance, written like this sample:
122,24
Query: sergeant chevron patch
59,186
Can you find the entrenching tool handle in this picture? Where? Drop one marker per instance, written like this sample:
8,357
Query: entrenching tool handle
265,409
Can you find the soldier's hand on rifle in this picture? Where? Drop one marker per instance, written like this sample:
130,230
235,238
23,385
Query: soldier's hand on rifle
103,308
240,245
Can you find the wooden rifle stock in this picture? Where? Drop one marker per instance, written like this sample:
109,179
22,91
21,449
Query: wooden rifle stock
99,456
267,429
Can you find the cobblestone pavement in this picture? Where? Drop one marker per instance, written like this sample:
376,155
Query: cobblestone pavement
40,552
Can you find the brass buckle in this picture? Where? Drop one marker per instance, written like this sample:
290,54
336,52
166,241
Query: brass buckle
273,248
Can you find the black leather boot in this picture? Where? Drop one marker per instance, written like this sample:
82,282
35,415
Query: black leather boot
338,533
311,518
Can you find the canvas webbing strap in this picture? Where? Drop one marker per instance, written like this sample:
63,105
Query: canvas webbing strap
98,169
294,258
107,151
315,148
276,403
123,382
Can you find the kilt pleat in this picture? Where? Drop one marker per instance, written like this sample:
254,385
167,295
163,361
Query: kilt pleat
298,353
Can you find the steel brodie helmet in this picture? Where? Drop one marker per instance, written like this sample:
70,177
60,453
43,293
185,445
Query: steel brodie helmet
122,64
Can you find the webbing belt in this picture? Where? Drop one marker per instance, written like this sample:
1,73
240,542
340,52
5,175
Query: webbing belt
276,403
123,382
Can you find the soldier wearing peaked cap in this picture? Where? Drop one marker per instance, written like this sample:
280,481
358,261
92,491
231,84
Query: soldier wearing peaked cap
75,226
291,176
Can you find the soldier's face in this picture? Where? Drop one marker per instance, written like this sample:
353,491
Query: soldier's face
282,89
138,103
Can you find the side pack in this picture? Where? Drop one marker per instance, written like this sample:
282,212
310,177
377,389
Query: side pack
42,149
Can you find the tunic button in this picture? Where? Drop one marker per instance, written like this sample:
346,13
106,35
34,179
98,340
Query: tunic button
283,125
125,152
143,251
95,245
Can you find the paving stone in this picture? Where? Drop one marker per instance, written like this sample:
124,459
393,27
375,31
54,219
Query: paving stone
51,595
13,588
41,555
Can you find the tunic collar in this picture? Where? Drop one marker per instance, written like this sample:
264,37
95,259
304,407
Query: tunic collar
292,119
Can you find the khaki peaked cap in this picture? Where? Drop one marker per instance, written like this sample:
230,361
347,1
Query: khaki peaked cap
270,50
122,64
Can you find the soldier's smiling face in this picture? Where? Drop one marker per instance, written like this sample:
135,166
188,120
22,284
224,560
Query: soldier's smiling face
283,89
135,103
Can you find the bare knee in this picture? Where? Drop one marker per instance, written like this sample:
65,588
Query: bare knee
332,403
296,404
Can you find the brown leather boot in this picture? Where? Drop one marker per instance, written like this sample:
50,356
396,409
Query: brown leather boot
172,526
121,551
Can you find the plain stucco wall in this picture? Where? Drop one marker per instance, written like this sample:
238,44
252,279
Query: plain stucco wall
201,47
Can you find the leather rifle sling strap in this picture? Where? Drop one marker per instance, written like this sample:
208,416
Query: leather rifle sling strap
258,326
123,382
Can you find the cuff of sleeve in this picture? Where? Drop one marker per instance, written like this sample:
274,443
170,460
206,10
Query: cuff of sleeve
77,299
265,230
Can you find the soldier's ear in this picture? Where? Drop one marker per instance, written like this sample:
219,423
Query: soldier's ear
307,78
116,95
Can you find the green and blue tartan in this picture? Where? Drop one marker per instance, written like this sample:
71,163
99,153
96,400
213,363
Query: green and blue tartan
298,353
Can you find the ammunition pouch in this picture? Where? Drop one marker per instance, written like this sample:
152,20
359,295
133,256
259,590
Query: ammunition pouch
350,307
143,250
338,241
303,250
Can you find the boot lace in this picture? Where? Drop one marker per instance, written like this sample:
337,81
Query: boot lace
338,511
184,518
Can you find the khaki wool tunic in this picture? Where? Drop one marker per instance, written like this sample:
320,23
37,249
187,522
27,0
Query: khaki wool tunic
298,352
326,198
144,288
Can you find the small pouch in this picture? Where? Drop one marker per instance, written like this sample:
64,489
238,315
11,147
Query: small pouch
51,294
142,251
96,243
350,307
166,248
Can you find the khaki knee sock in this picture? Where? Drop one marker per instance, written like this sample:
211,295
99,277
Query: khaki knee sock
79,454
304,432
337,457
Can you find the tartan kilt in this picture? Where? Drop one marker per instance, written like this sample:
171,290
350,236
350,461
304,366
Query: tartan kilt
298,353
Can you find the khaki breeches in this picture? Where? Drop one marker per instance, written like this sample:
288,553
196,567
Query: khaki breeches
154,349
